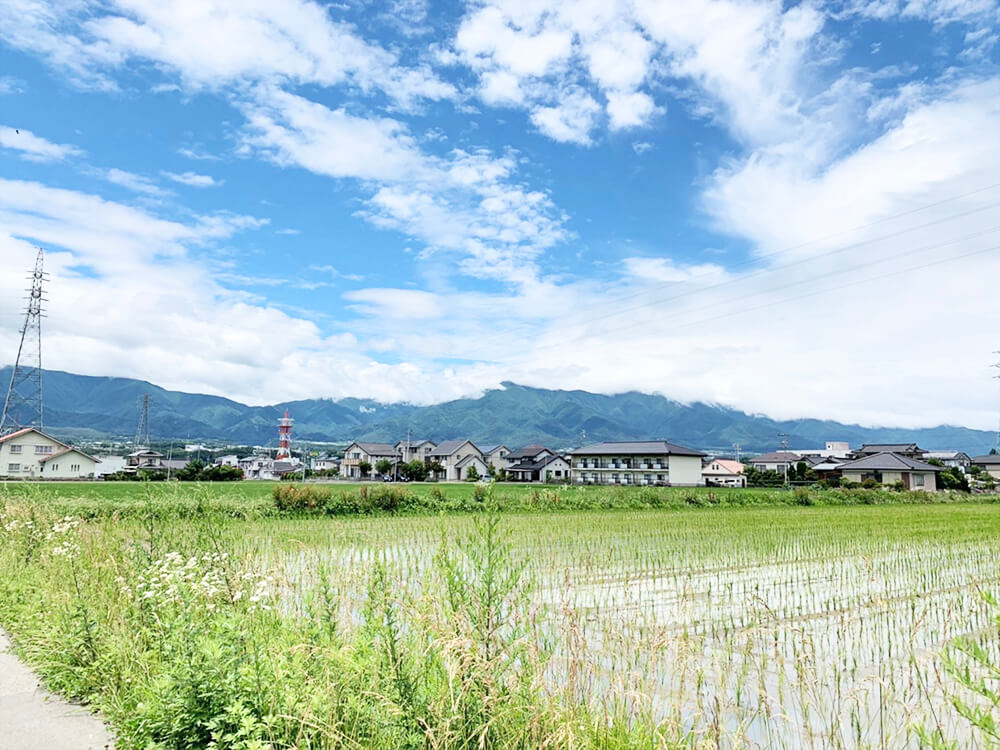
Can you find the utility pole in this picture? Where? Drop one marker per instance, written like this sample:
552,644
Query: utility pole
784,449
997,377
23,405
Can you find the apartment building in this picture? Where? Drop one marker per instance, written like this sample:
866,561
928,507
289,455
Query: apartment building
652,462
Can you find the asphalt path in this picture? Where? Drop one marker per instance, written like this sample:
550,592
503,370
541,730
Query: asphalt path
31,718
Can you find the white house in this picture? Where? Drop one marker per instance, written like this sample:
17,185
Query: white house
31,454
450,454
414,450
109,465
527,455
776,461
948,459
644,462
464,467
496,456
538,464
724,472
372,453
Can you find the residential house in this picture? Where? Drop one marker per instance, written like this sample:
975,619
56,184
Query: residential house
267,468
833,449
525,465
496,456
637,462
372,453
231,460
528,453
31,454
990,463
450,454
414,450
549,468
109,465
949,459
888,468
325,463
145,459
777,461
910,450
724,472
464,467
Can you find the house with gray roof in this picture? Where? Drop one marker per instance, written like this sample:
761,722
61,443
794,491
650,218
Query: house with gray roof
496,456
888,468
414,450
371,453
450,455
949,459
912,450
648,462
777,461
990,463
549,468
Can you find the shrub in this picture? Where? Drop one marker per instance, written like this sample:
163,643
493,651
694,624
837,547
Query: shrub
291,497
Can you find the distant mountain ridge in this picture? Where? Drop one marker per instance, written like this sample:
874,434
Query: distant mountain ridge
513,414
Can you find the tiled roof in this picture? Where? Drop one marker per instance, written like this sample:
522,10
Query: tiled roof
528,451
378,449
778,457
991,460
64,451
636,448
449,446
889,448
887,461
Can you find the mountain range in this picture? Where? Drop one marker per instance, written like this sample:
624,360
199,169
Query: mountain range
512,414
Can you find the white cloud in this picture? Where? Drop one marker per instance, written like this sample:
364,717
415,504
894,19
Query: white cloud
10,85
211,43
193,179
465,203
132,181
570,121
33,147
630,110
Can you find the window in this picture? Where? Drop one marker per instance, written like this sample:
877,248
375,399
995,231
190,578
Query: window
13,467
54,467
558,472
74,467
43,449
918,480
15,450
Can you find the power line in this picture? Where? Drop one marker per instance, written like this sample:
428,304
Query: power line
783,251
853,268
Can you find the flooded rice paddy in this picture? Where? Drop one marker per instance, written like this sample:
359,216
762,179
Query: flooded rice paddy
805,627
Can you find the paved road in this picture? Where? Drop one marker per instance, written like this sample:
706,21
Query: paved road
33,719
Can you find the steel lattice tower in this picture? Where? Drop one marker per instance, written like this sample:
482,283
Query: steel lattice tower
142,431
23,405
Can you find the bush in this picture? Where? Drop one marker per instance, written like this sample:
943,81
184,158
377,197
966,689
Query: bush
291,497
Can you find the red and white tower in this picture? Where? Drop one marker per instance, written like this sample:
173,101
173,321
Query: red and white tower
284,437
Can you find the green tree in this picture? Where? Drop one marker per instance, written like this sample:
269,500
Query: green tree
383,466
192,472
472,475
435,467
415,470
365,468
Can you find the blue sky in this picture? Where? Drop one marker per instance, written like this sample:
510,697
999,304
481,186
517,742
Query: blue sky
787,208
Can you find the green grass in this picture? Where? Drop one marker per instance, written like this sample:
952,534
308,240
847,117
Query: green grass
708,624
